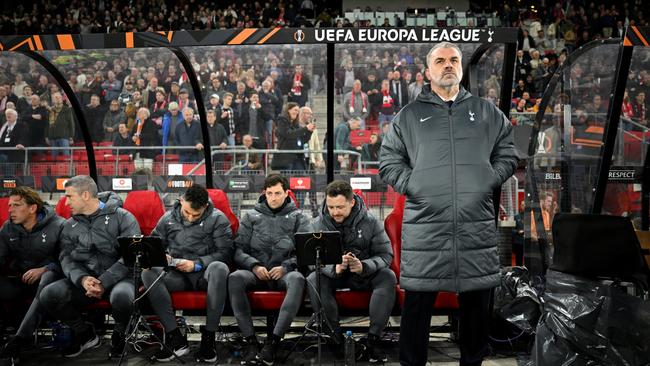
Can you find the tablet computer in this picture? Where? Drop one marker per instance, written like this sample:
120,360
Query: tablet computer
149,248
326,245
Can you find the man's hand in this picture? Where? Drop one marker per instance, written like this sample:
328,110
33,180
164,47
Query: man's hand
262,273
199,146
311,127
20,146
223,145
277,272
340,268
92,286
355,264
185,265
110,129
33,275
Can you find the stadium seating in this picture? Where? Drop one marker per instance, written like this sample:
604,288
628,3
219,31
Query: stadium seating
4,210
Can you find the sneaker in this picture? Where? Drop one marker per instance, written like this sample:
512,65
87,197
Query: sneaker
267,354
176,342
11,350
373,350
208,350
249,352
117,344
82,341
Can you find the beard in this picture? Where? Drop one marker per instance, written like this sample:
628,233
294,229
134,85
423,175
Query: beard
447,82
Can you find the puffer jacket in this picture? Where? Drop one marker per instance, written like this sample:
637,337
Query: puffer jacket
89,242
34,249
362,234
203,241
265,238
447,161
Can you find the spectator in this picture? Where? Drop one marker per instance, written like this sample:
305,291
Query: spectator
36,119
213,103
218,138
300,86
12,135
24,101
111,87
226,118
291,137
146,134
113,117
188,133
170,121
388,106
342,141
415,88
370,151
639,109
400,90
123,139
249,161
94,113
355,104
253,120
61,129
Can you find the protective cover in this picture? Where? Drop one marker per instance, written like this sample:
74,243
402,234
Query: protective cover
587,322
516,301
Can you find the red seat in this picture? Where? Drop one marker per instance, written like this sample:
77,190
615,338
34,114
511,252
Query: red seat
4,210
62,209
147,207
220,201
106,169
393,227
81,168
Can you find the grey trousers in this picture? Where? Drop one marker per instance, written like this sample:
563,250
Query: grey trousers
382,300
63,300
214,280
12,289
241,280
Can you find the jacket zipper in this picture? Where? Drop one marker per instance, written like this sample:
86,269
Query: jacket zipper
453,195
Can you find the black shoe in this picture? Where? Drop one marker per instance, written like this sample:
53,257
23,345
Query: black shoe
249,352
82,341
267,354
208,350
373,350
11,350
176,342
118,343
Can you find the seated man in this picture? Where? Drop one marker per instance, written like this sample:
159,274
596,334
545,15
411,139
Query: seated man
91,264
198,240
263,251
31,239
365,264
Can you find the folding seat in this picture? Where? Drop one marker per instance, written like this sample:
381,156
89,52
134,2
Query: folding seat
147,207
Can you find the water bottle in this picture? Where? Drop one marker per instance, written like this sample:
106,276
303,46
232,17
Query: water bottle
350,356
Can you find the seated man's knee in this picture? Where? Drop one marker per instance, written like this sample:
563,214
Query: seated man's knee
295,278
149,276
385,277
218,268
54,294
236,282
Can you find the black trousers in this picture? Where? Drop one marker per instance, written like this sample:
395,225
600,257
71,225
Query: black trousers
416,320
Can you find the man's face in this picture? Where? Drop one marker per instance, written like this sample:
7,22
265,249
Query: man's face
36,100
275,196
247,141
548,203
58,99
27,91
255,98
339,207
122,129
189,213
77,201
445,67
227,100
19,211
11,117
211,117
188,115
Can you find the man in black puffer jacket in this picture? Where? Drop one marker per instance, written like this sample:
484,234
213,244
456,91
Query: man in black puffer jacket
365,264
198,239
264,252
447,151
91,263
31,239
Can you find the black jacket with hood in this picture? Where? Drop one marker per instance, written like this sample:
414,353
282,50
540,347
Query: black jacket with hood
447,161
